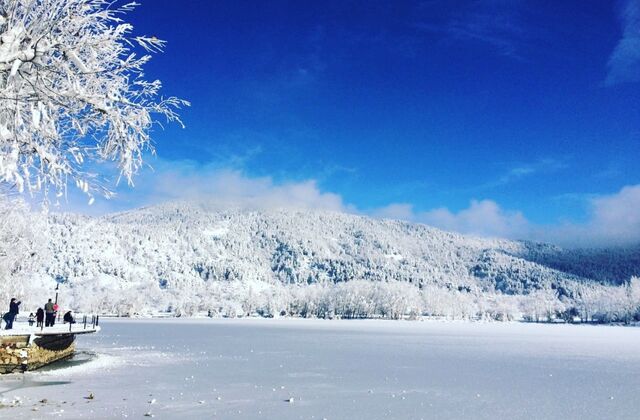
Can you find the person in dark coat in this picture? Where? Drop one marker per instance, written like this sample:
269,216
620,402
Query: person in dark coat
14,310
68,317
39,318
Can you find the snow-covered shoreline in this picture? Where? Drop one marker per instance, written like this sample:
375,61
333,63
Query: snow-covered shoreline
425,319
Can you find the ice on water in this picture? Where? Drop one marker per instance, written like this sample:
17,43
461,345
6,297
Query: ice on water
292,369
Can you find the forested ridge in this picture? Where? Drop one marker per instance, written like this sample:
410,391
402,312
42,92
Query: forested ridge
190,257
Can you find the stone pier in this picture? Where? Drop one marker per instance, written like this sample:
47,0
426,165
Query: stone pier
22,352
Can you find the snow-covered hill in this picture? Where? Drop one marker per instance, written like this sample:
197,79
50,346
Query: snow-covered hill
192,256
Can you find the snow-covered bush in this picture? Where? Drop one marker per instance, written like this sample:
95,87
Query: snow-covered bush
72,93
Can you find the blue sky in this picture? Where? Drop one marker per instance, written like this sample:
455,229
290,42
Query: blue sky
404,108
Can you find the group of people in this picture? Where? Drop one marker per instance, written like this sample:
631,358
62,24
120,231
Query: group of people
46,315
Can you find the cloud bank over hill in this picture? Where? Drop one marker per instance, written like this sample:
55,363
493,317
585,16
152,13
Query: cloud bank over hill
482,218
190,182
612,219
187,180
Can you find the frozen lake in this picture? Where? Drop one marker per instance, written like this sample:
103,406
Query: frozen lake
249,368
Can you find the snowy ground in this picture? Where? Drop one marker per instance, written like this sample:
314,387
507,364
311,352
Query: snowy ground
250,368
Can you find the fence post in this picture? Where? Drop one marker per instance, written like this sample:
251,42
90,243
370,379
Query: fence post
97,319
84,320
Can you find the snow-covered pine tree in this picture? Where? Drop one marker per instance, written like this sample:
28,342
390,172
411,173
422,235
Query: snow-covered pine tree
73,94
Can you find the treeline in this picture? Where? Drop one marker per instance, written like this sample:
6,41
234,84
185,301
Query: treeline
360,299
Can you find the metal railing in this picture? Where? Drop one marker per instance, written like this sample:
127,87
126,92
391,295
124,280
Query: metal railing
95,320
86,322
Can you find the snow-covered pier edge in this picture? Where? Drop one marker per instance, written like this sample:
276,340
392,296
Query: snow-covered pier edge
30,348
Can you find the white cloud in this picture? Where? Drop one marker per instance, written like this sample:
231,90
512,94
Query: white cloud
189,180
614,220
619,213
231,186
624,62
541,166
482,218
498,24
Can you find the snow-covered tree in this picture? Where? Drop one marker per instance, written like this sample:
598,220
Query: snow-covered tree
21,253
73,94
633,296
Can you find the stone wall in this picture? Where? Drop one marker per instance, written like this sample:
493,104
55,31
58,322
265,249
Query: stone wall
38,356
17,355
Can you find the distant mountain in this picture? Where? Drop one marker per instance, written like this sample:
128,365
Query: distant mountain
161,256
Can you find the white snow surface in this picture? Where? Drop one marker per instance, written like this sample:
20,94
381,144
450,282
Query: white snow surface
315,369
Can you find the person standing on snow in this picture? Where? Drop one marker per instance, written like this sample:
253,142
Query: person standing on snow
39,318
50,314
14,310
